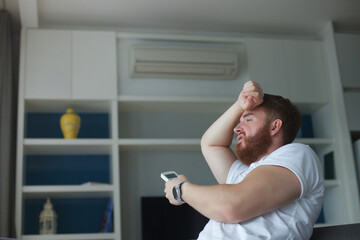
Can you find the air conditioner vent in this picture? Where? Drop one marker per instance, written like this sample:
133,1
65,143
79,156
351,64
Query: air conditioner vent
183,62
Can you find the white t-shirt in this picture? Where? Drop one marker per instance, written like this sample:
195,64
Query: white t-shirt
292,221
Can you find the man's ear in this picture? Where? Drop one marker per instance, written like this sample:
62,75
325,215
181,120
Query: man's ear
275,126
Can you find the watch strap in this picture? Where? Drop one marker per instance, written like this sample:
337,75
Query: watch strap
177,188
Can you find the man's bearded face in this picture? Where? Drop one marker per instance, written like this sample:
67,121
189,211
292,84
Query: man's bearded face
254,147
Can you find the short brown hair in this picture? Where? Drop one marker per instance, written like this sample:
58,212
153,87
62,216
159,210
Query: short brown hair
277,107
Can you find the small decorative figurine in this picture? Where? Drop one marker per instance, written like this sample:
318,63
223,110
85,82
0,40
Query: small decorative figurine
70,124
48,219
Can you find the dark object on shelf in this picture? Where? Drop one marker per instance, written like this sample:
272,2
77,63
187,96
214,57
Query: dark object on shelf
329,166
106,224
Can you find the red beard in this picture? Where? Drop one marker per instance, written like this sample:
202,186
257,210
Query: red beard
255,146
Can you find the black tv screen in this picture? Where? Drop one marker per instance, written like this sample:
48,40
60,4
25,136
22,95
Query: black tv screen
162,221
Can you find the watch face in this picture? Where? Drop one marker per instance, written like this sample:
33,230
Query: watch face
175,193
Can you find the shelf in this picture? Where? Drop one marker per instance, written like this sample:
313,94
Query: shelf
88,236
159,144
315,141
65,191
331,183
65,146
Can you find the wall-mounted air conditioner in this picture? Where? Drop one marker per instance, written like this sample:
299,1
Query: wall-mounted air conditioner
183,62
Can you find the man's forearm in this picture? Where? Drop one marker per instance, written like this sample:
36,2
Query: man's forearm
220,133
215,202
215,143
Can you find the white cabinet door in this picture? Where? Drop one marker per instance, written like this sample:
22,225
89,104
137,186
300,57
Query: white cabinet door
48,64
266,65
348,51
305,71
94,65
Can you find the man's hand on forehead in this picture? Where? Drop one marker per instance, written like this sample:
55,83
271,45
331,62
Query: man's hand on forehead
251,96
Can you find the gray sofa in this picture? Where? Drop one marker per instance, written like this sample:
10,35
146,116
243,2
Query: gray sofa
338,232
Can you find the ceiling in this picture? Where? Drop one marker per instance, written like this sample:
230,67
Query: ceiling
290,17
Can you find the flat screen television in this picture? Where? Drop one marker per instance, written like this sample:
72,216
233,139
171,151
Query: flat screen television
162,221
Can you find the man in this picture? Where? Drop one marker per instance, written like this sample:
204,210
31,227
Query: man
270,188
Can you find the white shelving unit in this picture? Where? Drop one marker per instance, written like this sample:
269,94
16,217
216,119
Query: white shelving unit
156,125
55,71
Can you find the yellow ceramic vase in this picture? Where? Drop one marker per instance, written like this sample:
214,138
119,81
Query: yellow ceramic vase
70,124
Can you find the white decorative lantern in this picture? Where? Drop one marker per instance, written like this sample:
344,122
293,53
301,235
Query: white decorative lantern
48,219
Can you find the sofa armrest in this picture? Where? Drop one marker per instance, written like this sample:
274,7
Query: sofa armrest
336,232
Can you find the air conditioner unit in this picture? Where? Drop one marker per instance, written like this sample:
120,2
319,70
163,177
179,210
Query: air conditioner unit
183,62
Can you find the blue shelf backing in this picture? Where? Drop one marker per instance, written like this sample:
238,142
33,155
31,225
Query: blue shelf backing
321,218
66,169
306,129
47,125
82,215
